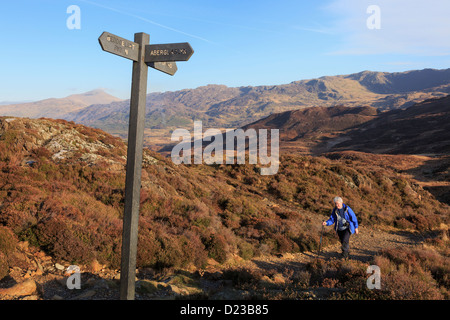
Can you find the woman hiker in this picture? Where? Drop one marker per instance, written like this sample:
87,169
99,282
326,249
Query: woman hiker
345,222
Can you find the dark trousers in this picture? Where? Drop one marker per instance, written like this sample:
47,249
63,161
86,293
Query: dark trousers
344,237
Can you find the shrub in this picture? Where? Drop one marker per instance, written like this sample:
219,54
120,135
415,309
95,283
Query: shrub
216,246
246,250
62,241
330,283
194,250
242,276
171,253
404,286
306,242
413,273
302,278
29,235
8,241
148,248
4,266
284,244
283,190
42,152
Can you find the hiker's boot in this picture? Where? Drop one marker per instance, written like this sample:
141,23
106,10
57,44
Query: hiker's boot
345,255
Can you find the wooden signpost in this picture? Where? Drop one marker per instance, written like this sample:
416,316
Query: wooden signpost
166,67
160,57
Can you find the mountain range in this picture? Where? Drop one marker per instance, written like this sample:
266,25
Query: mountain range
219,106
222,106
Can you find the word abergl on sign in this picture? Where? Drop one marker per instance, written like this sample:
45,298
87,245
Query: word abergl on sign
143,55
168,52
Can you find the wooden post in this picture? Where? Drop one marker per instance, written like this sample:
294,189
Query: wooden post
134,167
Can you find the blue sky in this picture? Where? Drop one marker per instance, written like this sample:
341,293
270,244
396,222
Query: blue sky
236,43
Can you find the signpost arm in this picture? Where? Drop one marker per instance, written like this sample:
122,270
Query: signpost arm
133,170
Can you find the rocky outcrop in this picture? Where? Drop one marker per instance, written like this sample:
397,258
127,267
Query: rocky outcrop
64,141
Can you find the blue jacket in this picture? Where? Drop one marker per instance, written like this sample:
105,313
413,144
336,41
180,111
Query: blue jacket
349,215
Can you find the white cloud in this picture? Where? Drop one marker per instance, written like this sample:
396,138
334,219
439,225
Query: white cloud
407,27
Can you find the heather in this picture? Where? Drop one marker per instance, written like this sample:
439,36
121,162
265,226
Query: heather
62,190
73,206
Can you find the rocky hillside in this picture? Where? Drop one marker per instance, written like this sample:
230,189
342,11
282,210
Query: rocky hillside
402,82
420,129
302,131
62,190
61,203
423,128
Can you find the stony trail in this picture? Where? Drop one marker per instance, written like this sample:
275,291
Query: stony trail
363,247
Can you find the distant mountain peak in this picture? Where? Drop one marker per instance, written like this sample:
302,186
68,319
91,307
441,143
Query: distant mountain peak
57,107
96,96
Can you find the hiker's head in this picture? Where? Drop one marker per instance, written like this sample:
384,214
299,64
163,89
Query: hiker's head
338,202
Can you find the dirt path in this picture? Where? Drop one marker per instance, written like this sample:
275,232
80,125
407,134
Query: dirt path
362,247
